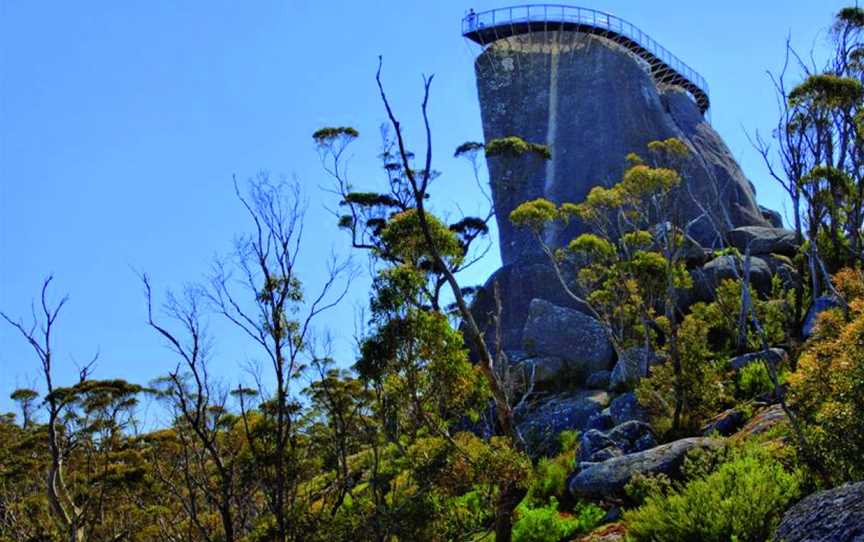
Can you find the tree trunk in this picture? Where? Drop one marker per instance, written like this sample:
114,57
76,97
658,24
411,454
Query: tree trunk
508,499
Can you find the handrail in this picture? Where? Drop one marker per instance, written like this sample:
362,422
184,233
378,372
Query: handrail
475,24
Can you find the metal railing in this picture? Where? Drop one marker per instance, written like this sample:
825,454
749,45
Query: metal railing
475,23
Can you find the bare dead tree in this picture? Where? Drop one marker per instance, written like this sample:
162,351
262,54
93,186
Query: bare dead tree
267,303
71,515
202,420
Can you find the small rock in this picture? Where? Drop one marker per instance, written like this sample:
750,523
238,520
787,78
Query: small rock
625,408
608,479
568,334
598,380
763,240
546,371
774,356
834,515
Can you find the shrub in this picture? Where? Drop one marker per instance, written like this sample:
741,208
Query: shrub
545,524
741,499
754,380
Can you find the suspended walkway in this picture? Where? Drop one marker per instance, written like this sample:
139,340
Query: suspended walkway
486,27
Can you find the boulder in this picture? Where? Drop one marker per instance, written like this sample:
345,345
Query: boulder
724,424
773,217
601,421
625,408
627,438
598,380
764,240
540,422
783,267
546,372
765,420
834,515
631,366
608,479
774,356
819,305
518,284
706,279
562,332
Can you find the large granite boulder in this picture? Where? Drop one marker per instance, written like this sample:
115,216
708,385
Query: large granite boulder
764,240
541,421
834,515
608,479
592,102
580,340
518,285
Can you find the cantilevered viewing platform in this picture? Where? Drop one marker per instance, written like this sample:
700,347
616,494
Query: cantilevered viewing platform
486,27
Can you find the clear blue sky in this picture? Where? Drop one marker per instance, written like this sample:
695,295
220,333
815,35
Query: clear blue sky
122,123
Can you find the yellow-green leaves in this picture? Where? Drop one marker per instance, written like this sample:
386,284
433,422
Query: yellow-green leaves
643,180
328,134
513,146
593,246
535,214
404,238
672,148
827,91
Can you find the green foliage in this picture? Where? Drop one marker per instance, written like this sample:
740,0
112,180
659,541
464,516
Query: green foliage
827,91
328,134
534,214
546,524
754,380
514,147
827,389
744,498
469,148
404,240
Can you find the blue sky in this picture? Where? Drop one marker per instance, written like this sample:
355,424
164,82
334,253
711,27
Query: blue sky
122,123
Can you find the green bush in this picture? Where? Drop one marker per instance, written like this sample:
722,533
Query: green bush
550,480
545,524
742,498
753,380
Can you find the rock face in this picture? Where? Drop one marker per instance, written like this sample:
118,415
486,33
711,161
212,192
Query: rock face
835,515
607,479
567,334
592,103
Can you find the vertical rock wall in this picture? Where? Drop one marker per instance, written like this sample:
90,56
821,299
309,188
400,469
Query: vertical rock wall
592,102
